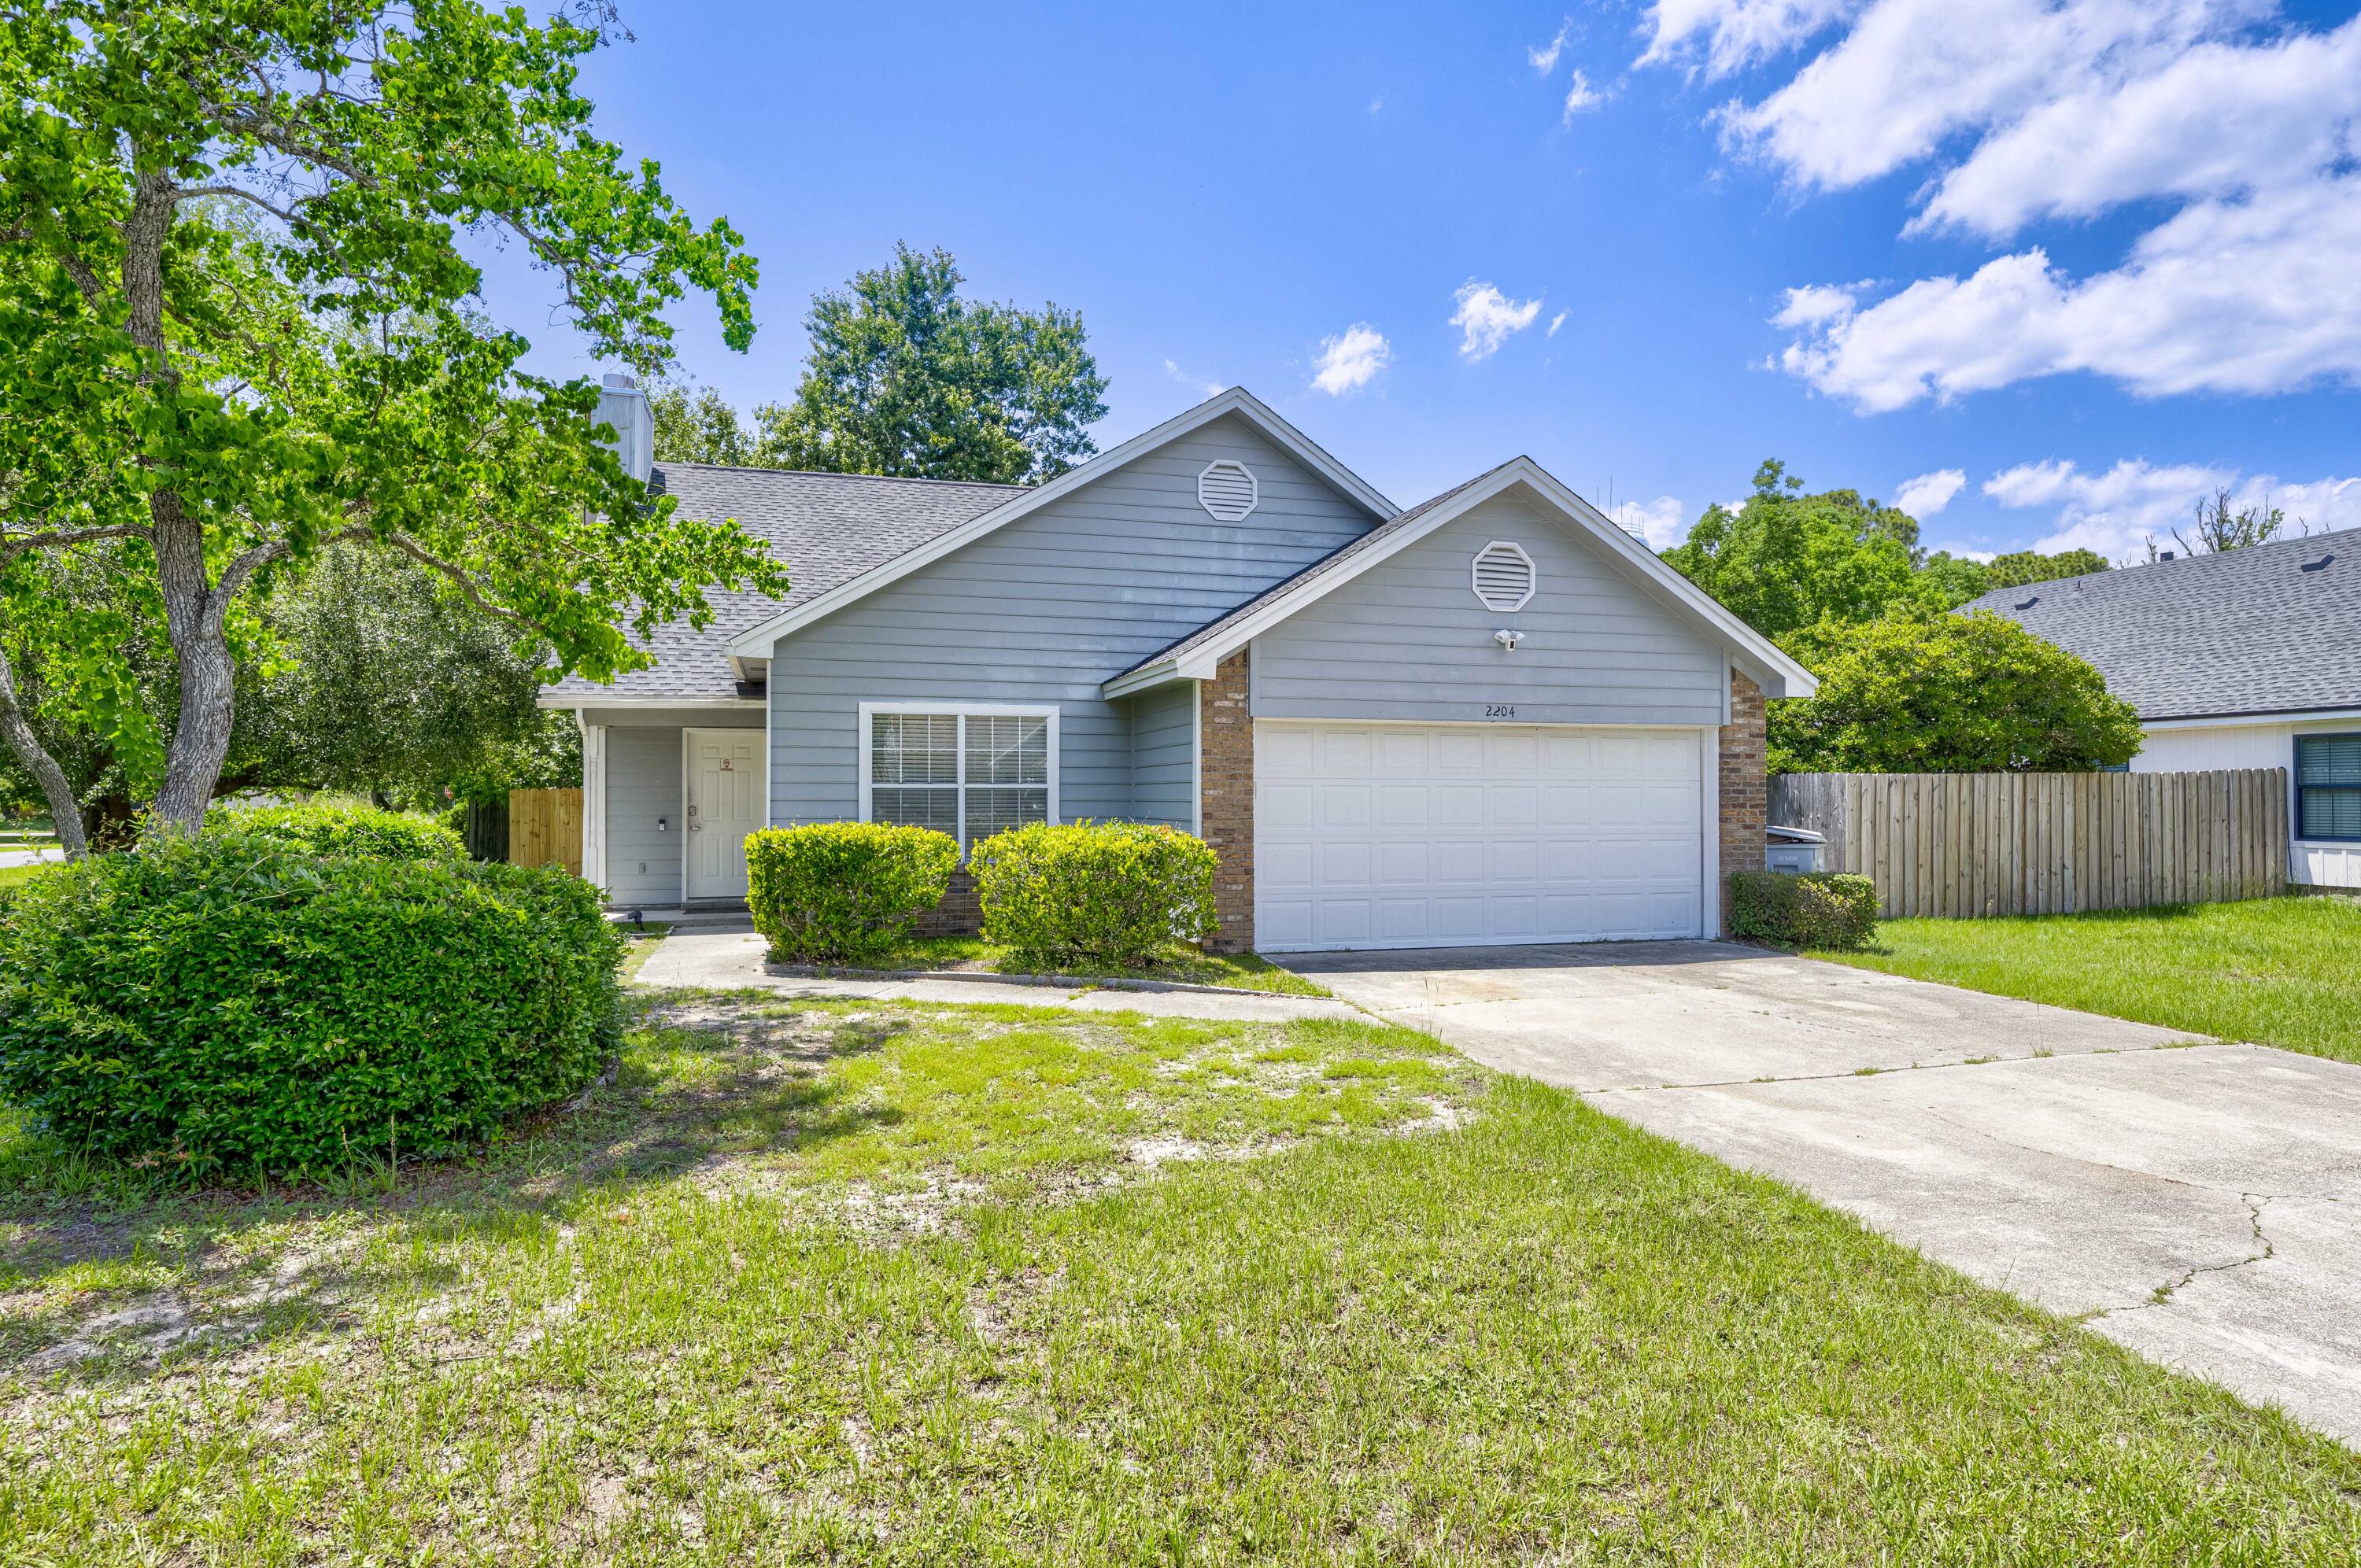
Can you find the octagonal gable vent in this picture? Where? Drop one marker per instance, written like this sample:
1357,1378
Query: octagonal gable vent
1228,490
1504,576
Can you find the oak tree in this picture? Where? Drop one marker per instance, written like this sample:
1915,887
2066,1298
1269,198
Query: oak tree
193,404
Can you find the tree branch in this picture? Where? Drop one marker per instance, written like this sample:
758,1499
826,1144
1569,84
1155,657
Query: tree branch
285,215
467,585
12,548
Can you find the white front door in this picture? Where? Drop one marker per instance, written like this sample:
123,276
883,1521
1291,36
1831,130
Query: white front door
725,804
1438,835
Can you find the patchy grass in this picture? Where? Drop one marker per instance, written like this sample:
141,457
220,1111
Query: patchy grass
1190,965
868,1284
2278,971
639,945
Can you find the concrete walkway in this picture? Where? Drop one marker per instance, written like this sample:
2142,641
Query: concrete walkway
2199,1202
47,855
731,960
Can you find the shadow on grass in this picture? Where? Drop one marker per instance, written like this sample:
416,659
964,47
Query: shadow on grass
696,1083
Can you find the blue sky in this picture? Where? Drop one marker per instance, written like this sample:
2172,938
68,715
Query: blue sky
2091,256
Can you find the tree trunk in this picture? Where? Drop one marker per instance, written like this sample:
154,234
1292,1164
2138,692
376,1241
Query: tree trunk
65,812
193,613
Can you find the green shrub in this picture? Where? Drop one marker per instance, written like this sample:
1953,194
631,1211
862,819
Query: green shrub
837,892
1829,910
1102,894
342,830
233,1006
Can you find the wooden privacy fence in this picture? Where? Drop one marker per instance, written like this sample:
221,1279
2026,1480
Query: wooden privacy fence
1960,845
546,828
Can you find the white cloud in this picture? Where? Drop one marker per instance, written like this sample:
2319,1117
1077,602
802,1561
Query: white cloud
1556,322
2117,511
1544,59
1812,305
1961,552
2221,120
1376,104
1580,95
1197,384
2252,297
1350,360
1730,34
1931,493
2019,112
1661,522
1486,318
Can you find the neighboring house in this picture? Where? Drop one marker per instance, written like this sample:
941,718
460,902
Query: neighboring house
2247,659
1493,718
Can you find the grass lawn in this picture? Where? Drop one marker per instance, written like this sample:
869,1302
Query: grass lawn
2278,971
12,876
1244,971
859,1283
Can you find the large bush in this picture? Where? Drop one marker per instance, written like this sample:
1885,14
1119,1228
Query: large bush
1946,694
1829,910
841,892
341,830
1105,893
235,1008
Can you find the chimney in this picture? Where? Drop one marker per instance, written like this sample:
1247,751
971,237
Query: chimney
624,406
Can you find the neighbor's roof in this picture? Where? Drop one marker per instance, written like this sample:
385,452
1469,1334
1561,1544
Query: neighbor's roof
828,528
2273,628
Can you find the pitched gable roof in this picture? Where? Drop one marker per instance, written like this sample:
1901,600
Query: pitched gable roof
2245,631
828,528
756,641
1195,656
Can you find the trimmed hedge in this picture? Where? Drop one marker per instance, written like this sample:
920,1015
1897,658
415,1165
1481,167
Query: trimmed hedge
232,1007
342,830
1100,893
837,892
1830,910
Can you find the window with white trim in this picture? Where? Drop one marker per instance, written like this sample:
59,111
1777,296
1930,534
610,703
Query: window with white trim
967,773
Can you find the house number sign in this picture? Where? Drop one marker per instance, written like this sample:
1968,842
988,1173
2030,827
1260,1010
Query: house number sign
1499,710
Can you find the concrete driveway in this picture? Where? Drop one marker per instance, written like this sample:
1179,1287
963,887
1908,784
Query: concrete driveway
2196,1199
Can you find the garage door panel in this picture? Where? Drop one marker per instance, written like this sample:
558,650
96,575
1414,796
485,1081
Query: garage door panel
1404,836
1282,805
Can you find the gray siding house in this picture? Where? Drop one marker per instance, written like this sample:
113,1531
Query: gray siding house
1492,718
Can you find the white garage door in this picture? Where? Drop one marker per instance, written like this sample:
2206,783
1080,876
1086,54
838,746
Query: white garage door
1404,836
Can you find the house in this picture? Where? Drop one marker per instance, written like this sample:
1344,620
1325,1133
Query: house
2247,659
1494,717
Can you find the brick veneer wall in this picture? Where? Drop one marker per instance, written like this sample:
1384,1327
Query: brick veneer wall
1745,784
961,914
1226,777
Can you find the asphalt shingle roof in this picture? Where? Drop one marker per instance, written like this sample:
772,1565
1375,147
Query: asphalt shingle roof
2263,630
1326,563
828,528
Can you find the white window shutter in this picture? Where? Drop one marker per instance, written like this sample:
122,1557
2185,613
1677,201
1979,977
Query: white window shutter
1504,576
1228,490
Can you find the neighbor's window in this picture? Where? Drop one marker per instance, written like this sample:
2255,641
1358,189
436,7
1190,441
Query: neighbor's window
968,774
2328,786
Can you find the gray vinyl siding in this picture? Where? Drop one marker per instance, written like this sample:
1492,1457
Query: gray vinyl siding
1164,756
1043,610
1408,640
642,784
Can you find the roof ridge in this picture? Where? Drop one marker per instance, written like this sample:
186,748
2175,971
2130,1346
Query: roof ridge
834,474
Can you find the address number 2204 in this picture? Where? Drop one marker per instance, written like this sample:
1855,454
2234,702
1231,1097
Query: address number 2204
1499,710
